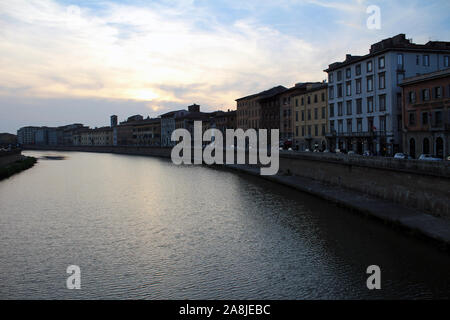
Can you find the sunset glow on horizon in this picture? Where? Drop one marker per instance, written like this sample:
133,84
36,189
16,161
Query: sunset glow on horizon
154,56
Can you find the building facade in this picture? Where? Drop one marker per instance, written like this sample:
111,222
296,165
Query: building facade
94,137
168,125
311,118
27,135
248,109
224,120
426,114
147,133
288,115
364,96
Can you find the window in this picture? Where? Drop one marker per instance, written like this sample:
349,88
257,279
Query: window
358,106
424,118
324,130
332,126
339,88
383,123
370,126
339,75
369,66
309,130
349,125
358,86
426,60
303,131
382,102
309,114
382,80
370,104
331,109
359,125
425,94
316,130
316,114
296,102
358,70
412,119
309,99
381,63
370,83
417,60
303,115
348,73
324,112
400,77
400,64
412,97
331,92
348,89
296,116
340,126
438,92
340,109
438,118
296,131
426,146
323,96
315,98
303,101
446,61
331,77
349,107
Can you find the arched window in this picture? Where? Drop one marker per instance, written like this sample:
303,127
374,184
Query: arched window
440,147
426,146
412,147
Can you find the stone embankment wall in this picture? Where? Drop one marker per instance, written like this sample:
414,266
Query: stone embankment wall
417,184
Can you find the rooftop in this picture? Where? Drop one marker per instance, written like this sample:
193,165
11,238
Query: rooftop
427,76
265,94
397,43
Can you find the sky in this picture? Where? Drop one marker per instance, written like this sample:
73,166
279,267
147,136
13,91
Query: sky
64,61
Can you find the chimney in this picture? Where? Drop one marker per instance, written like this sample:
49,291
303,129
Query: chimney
194,108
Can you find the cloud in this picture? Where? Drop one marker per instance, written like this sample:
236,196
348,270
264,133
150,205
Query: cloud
166,54
127,51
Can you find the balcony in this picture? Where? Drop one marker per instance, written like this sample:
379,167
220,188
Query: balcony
439,126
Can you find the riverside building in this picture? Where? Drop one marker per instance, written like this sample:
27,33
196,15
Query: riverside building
364,96
426,114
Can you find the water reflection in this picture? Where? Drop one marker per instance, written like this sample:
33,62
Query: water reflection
143,228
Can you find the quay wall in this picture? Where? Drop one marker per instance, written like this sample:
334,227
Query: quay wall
417,184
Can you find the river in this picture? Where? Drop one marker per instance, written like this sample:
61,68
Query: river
143,228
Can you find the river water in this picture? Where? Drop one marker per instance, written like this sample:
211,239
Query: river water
143,228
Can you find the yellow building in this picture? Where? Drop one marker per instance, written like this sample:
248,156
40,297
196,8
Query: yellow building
311,117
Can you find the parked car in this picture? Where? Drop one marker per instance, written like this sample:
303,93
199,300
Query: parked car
326,151
428,157
448,158
286,144
367,154
351,153
402,156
